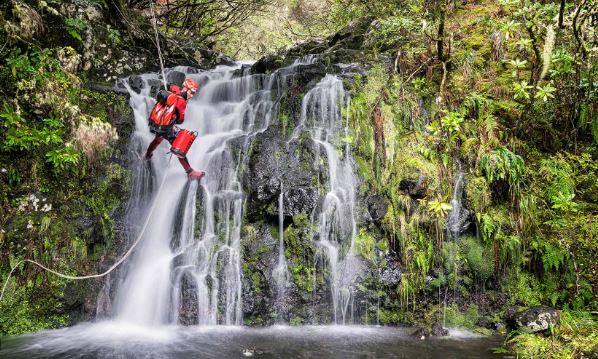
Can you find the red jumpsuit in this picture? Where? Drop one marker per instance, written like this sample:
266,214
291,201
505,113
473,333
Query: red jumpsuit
181,106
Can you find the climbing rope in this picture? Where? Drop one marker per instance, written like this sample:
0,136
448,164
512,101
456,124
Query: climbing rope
114,266
155,25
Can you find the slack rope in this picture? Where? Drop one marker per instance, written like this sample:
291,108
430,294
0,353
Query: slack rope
114,266
155,25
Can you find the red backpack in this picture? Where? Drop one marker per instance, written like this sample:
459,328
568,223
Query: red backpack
164,113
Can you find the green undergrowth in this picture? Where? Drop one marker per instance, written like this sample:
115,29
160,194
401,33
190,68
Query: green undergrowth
529,184
576,336
61,183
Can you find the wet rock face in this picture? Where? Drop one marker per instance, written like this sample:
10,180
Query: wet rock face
391,275
258,258
299,200
271,164
416,189
188,310
377,207
536,319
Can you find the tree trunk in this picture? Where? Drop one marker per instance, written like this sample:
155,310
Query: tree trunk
440,39
562,15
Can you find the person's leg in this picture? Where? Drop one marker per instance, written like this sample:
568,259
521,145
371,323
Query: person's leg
153,145
190,171
193,174
185,163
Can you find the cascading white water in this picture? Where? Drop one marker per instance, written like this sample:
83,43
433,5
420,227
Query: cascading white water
457,220
321,117
204,269
281,273
187,269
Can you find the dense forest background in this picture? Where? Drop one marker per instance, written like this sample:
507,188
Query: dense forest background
503,92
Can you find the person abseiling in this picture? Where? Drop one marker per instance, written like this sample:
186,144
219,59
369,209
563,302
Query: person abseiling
168,112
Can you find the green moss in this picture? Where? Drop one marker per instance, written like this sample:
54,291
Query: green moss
389,317
575,337
295,321
523,289
478,194
299,252
366,245
256,280
457,319
480,43
476,257
29,307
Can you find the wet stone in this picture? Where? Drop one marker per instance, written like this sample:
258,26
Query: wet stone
416,189
536,319
377,207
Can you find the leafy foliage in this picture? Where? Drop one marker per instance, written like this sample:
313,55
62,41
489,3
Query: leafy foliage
75,27
575,337
502,164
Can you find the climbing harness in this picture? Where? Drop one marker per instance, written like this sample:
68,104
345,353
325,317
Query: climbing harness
114,266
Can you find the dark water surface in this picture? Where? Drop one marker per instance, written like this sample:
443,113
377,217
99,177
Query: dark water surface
117,340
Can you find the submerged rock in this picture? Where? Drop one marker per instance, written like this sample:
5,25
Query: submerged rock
136,83
437,330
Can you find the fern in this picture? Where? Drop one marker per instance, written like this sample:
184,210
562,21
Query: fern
502,164
553,257
558,176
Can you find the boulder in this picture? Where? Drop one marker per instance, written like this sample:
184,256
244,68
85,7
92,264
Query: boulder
136,83
267,64
536,319
344,46
353,35
416,189
437,330
377,207
175,78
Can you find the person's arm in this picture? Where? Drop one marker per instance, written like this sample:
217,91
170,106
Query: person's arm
175,89
181,106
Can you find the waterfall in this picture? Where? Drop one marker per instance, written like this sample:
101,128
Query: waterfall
321,117
187,268
458,217
281,272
